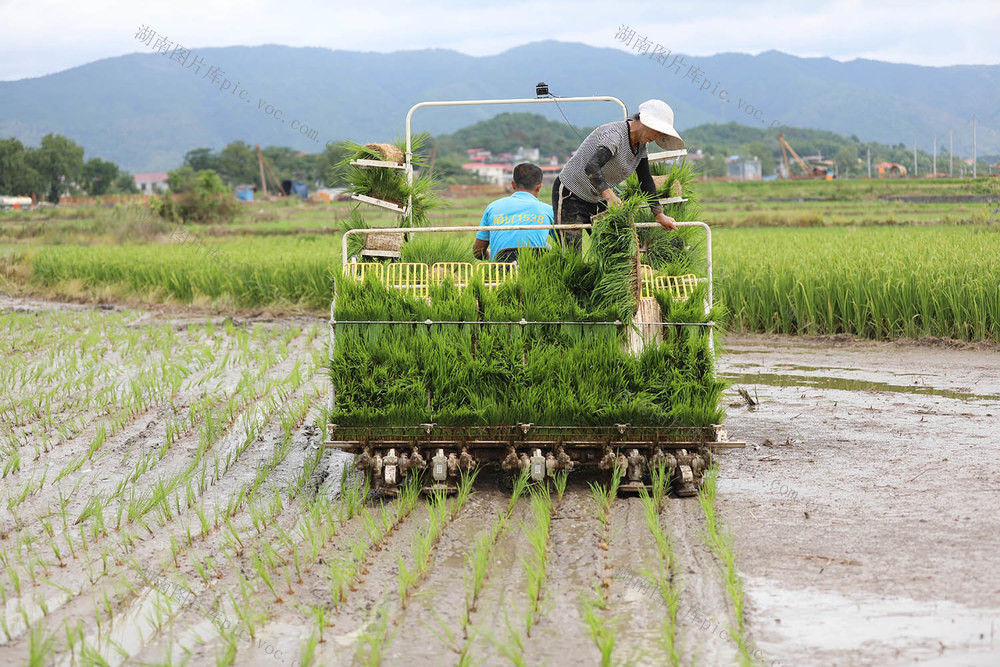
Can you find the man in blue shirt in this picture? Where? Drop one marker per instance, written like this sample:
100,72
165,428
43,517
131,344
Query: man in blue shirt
521,208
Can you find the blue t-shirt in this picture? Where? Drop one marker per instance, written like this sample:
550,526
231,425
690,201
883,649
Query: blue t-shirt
521,208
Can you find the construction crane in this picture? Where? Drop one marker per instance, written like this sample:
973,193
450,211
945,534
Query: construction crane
267,175
816,171
785,149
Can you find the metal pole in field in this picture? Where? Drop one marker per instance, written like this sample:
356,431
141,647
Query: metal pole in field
951,150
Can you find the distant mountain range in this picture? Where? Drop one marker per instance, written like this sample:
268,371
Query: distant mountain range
144,110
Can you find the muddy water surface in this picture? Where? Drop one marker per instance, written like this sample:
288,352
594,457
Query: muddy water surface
863,511
865,505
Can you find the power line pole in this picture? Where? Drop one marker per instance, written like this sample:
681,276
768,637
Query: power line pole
951,150
973,145
869,162
934,159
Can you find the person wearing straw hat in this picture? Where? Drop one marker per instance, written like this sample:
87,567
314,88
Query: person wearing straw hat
609,155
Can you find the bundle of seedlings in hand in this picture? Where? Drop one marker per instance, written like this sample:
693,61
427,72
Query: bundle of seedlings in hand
614,246
677,252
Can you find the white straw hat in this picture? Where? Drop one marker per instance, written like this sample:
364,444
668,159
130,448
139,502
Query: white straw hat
658,115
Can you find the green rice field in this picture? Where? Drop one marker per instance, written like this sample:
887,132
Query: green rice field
873,282
859,265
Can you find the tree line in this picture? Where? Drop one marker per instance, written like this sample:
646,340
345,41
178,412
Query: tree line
56,167
237,164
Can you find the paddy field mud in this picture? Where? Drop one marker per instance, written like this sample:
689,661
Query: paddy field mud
163,520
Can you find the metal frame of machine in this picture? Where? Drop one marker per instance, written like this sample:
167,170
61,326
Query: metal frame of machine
389,454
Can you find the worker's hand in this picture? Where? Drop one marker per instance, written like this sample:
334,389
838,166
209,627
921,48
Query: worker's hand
611,198
666,221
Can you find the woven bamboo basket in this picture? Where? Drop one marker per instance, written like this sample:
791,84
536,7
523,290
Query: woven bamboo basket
676,189
384,241
389,152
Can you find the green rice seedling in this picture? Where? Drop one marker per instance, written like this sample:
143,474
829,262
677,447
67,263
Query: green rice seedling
721,544
247,612
374,527
601,632
339,577
426,249
520,485
286,574
31,564
201,568
667,580
175,549
206,526
536,563
421,550
264,574
15,579
446,635
58,553
512,647
374,639
604,497
468,477
668,586
664,544
559,481
319,613
408,496
308,652
227,655
406,579
296,558
74,636
92,656
40,645
660,481
236,537
479,561
614,245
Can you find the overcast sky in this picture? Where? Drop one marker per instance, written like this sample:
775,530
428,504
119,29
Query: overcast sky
39,37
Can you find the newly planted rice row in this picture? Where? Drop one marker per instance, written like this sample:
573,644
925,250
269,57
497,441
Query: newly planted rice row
720,541
666,577
92,513
174,428
100,642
